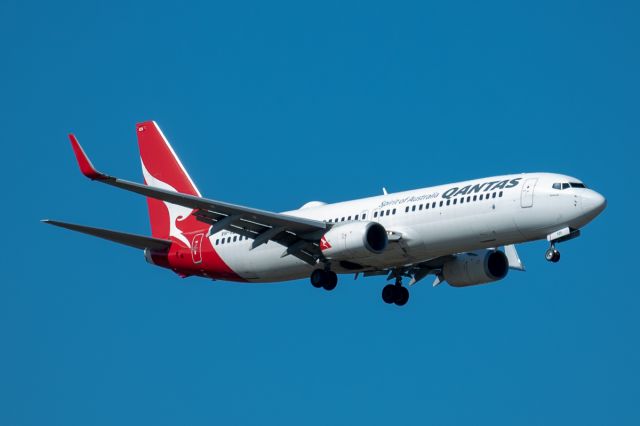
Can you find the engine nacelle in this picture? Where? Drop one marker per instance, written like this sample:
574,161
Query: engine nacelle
478,267
354,240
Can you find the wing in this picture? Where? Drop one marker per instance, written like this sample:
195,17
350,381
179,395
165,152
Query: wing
419,271
299,236
415,271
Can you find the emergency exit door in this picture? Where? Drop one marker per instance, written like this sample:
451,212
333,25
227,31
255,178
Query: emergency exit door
526,199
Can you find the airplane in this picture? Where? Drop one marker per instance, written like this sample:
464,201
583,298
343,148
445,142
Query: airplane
462,233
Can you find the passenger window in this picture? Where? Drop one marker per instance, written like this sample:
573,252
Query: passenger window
448,202
455,201
406,210
500,194
441,203
426,206
462,200
364,216
433,205
475,198
413,208
387,212
494,195
349,218
480,197
556,186
216,242
394,211
342,220
420,207
375,214
235,239
228,240
469,198
356,218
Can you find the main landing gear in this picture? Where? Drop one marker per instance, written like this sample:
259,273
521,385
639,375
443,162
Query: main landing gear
552,254
395,293
325,279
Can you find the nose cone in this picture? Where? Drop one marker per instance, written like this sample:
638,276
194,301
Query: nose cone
593,203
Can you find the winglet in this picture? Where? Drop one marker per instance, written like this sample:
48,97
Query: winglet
84,163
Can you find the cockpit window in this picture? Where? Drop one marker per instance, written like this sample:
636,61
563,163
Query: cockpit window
568,185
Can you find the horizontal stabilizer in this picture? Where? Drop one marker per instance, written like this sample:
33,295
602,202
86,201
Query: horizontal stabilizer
131,240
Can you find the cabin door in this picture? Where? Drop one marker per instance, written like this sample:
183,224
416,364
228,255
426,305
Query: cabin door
526,198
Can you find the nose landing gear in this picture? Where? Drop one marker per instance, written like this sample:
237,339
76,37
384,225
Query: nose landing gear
559,236
395,293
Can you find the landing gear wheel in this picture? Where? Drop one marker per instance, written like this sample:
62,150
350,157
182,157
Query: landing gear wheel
394,293
548,255
317,278
325,279
331,280
402,296
389,293
552,255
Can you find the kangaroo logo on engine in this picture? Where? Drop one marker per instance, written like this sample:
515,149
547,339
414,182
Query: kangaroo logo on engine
324,244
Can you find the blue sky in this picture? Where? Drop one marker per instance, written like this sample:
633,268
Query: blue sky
276,105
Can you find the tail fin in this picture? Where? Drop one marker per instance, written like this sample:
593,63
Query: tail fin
162,168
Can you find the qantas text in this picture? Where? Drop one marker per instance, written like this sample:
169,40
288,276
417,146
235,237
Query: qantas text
484,186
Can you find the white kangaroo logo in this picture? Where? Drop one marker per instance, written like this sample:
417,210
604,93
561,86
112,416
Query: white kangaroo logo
176,212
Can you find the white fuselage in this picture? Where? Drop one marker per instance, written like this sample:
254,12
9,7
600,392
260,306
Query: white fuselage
480,213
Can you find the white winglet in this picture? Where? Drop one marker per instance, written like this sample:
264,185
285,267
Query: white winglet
513,258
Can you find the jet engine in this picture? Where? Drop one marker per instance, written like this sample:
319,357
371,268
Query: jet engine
354,240
477,267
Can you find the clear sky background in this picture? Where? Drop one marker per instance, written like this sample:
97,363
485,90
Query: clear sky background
275,104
